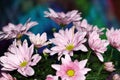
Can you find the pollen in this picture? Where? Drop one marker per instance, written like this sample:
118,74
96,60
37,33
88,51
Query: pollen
23,64
69,47
70,73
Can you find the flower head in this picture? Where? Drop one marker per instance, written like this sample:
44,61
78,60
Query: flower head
39,40
20,57
16,31
113,37
97,45
6,76
69,70
67,41
62,18
109,66
85,27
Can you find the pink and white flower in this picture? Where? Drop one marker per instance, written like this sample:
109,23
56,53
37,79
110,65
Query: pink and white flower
16,31
69,70
39,40
68,41
6,76
20,58
62,18
50,77
113,37
97,45
109,66
85,27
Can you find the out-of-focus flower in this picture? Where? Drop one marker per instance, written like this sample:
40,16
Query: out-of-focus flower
16,31
2,35
113,37
109,66
62,18
97,45
67,41
85,27
6,76
50,77
116,77
69,70
20,57
39,40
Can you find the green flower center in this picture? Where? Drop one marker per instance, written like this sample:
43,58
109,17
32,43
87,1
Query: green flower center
23,64
70,73
69,47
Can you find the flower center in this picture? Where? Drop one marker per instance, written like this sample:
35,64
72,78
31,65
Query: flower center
70,73
19,36
69,47
23,64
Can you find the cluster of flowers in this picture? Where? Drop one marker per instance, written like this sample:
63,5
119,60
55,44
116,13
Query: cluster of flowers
81,36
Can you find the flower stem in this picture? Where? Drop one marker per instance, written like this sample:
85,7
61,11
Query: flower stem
111,54
100,69
88,56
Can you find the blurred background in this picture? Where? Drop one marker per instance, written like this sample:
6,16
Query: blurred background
103,13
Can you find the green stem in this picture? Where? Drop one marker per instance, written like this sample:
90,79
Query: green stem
88,56
89,53
100,69
111,54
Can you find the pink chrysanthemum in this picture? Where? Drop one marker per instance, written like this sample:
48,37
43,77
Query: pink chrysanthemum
16,31
97,45
39,40
113,37
85,27
67,41
20,57
6,76
62,18
69,70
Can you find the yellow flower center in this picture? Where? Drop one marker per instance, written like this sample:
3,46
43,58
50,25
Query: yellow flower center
70,73
23,64
69,47
19,36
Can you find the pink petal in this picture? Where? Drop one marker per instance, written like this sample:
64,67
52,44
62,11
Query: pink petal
100,57
35,59
82,63
56,67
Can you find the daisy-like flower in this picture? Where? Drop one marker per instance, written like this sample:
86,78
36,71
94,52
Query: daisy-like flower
97,45
85,27
20,58
109,66
67,41
50,77
62,18
69,70
39,40
113,37
16,31
6,76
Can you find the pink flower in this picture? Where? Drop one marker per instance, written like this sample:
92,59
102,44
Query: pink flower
6,76
62,18
67,41
39,40
97,45
50,77
20,57
116,77
113,37
85,27
16,31
109,66
69,70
